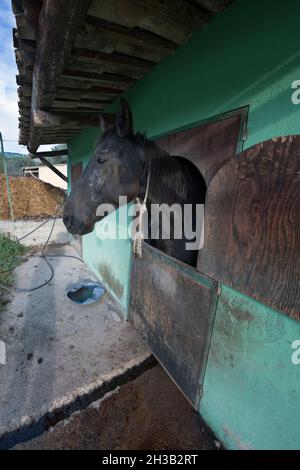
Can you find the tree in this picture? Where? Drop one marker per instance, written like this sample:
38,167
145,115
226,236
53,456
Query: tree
59,147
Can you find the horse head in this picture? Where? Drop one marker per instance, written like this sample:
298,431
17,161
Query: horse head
114,170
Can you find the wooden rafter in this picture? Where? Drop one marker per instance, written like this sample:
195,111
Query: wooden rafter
51,120
59,23
76,57
171,19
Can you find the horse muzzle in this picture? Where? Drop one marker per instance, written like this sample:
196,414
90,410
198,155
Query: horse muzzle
77,227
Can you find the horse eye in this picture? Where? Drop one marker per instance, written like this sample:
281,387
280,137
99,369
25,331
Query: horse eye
100,159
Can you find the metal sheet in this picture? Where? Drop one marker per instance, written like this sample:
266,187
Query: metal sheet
172,306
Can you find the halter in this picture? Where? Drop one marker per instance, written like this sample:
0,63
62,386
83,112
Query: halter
139,235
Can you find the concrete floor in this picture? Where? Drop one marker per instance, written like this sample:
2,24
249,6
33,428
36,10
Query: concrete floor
149,413
60,356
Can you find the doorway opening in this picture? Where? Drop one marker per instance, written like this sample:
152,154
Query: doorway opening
206,147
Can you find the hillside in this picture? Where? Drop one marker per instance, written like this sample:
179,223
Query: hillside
16,162
15,155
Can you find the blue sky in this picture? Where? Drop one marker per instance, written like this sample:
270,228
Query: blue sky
8,86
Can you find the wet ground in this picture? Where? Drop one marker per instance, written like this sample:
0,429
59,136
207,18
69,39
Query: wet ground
146,413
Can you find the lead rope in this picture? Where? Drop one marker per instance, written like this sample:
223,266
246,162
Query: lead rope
139,235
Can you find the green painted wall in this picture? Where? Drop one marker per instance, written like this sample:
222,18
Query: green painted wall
251,386
109,258
249,55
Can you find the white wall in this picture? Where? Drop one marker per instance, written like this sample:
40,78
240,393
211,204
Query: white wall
47,175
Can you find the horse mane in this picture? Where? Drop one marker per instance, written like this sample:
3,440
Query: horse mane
167,179
170,177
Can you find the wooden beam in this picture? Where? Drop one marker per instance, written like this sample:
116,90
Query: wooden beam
27,29
55,170
94,27
87,88
24,57
173,20
107,41
83,95
72,105
46,119
25,76
96,57
105,37
24,90
25,101
27,16
88,101
29,8
24,44
57,35
87,64
59,23
120,82
75,94
79,111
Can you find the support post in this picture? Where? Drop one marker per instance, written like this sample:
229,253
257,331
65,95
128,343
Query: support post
7,180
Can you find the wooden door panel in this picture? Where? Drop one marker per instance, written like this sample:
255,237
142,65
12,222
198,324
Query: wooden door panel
252,224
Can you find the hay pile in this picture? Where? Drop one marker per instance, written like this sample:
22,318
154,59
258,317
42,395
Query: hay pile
31,198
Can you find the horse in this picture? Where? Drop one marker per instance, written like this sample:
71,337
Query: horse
129,164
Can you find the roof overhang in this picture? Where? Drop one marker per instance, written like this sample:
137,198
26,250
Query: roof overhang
76,57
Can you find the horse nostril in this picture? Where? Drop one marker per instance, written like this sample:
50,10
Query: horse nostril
67,220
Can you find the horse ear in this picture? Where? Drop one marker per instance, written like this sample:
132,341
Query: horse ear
124,119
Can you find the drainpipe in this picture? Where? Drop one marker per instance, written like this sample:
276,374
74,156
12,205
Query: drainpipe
7,179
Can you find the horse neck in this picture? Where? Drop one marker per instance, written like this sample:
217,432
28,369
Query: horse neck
167,183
